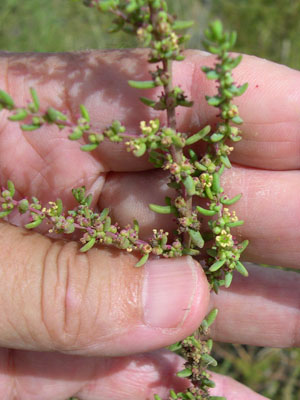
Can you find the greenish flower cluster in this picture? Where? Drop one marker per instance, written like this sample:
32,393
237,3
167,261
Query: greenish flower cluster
95,228
153,138
197,355
35,119
151,23
192,177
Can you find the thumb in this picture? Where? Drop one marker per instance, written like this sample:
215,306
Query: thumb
54,298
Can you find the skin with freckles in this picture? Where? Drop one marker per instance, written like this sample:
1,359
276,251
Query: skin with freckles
78,310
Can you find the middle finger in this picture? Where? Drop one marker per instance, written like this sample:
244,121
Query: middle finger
269,206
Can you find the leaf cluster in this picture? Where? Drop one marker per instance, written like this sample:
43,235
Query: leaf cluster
192,176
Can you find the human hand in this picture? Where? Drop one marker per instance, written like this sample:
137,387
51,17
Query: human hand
68,305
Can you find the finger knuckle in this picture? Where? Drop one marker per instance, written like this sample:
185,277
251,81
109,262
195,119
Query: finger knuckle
65,284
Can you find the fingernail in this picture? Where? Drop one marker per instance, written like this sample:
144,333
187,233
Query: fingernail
168,291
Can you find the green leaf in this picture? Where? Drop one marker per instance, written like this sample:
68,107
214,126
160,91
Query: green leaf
157,160
228,94
19,115
136,226
178,25
225,160
89,147
238,91
190,252
157,397
35,200
142,261
29,127
161,209
88,245
209,35
232,38
241,268
76,134
185,373
55,115
6,100
204,325
209,359
141,150
197,136
35,99
142,84
131,7
217,398
84,112
5,213
213,49
208,193
11,188
242,246
105,5
190,186
235,138
209,383
237,120
180,57
88,200
69,229
34,224
115,28
228,279
217,29
236,223
212,74
229,202
196,238
200,167
23,206
173,395
175,347
216,183
178,142
148,102
210,318
216,137
168,200
79,194
107,224
104,214
214,100
209,344
211,252
217,265
59,206
235,61
221,170
193,156
206,212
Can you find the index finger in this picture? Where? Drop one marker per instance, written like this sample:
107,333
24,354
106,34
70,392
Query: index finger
270,107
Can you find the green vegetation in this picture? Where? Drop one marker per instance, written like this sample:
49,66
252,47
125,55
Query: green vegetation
267,28
274,373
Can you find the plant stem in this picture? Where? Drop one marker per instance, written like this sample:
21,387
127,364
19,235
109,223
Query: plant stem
177,154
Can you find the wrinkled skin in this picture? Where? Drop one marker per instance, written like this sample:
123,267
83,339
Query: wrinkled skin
64,314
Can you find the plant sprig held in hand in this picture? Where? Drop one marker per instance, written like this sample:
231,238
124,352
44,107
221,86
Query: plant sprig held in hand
190,175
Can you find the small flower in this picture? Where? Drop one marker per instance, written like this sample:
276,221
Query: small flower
225,239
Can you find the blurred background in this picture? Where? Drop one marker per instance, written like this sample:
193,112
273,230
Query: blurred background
266,28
